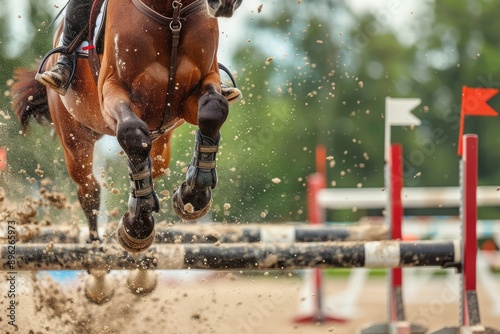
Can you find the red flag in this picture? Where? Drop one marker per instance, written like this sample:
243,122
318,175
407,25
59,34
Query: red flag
474,103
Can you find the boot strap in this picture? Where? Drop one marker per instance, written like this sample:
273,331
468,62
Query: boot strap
141,192
140,176
136,177
206,148
204,164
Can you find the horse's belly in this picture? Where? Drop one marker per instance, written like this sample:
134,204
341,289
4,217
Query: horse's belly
82,101
86,110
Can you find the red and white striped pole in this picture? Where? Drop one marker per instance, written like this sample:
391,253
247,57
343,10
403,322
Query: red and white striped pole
469,305
316,216
395,211
396,317
470,317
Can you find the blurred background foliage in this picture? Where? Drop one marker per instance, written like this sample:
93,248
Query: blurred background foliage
312,73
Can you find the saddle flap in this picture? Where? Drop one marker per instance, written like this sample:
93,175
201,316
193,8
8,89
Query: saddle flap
96,35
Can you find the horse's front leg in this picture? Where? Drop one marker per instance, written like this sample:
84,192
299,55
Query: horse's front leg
192,199
136,231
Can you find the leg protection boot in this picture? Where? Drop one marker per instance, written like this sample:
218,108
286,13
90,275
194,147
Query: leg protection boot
193,199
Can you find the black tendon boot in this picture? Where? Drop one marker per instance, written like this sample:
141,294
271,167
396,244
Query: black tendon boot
192,199
75,19
137,227
201,172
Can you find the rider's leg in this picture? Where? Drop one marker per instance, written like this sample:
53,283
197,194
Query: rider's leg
76,17
232,94
230,91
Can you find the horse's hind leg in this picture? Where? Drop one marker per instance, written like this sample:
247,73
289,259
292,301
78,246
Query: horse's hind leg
192,199
99,287
78,144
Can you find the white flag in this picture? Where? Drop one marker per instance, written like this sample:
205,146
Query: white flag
398,112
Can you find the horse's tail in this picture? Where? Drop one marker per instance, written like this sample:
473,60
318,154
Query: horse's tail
29,98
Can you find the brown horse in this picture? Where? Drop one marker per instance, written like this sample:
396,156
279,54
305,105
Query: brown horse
144,91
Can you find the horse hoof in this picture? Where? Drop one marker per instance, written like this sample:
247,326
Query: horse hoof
142,281
134,244
188,211
98,287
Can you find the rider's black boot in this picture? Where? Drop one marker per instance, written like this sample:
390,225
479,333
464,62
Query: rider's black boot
230,92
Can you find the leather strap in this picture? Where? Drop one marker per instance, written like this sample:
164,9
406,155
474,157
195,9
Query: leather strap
165,20
93,56
180,13
175,26
206,148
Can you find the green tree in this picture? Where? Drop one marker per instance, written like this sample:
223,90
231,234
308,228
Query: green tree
36,155
328,84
